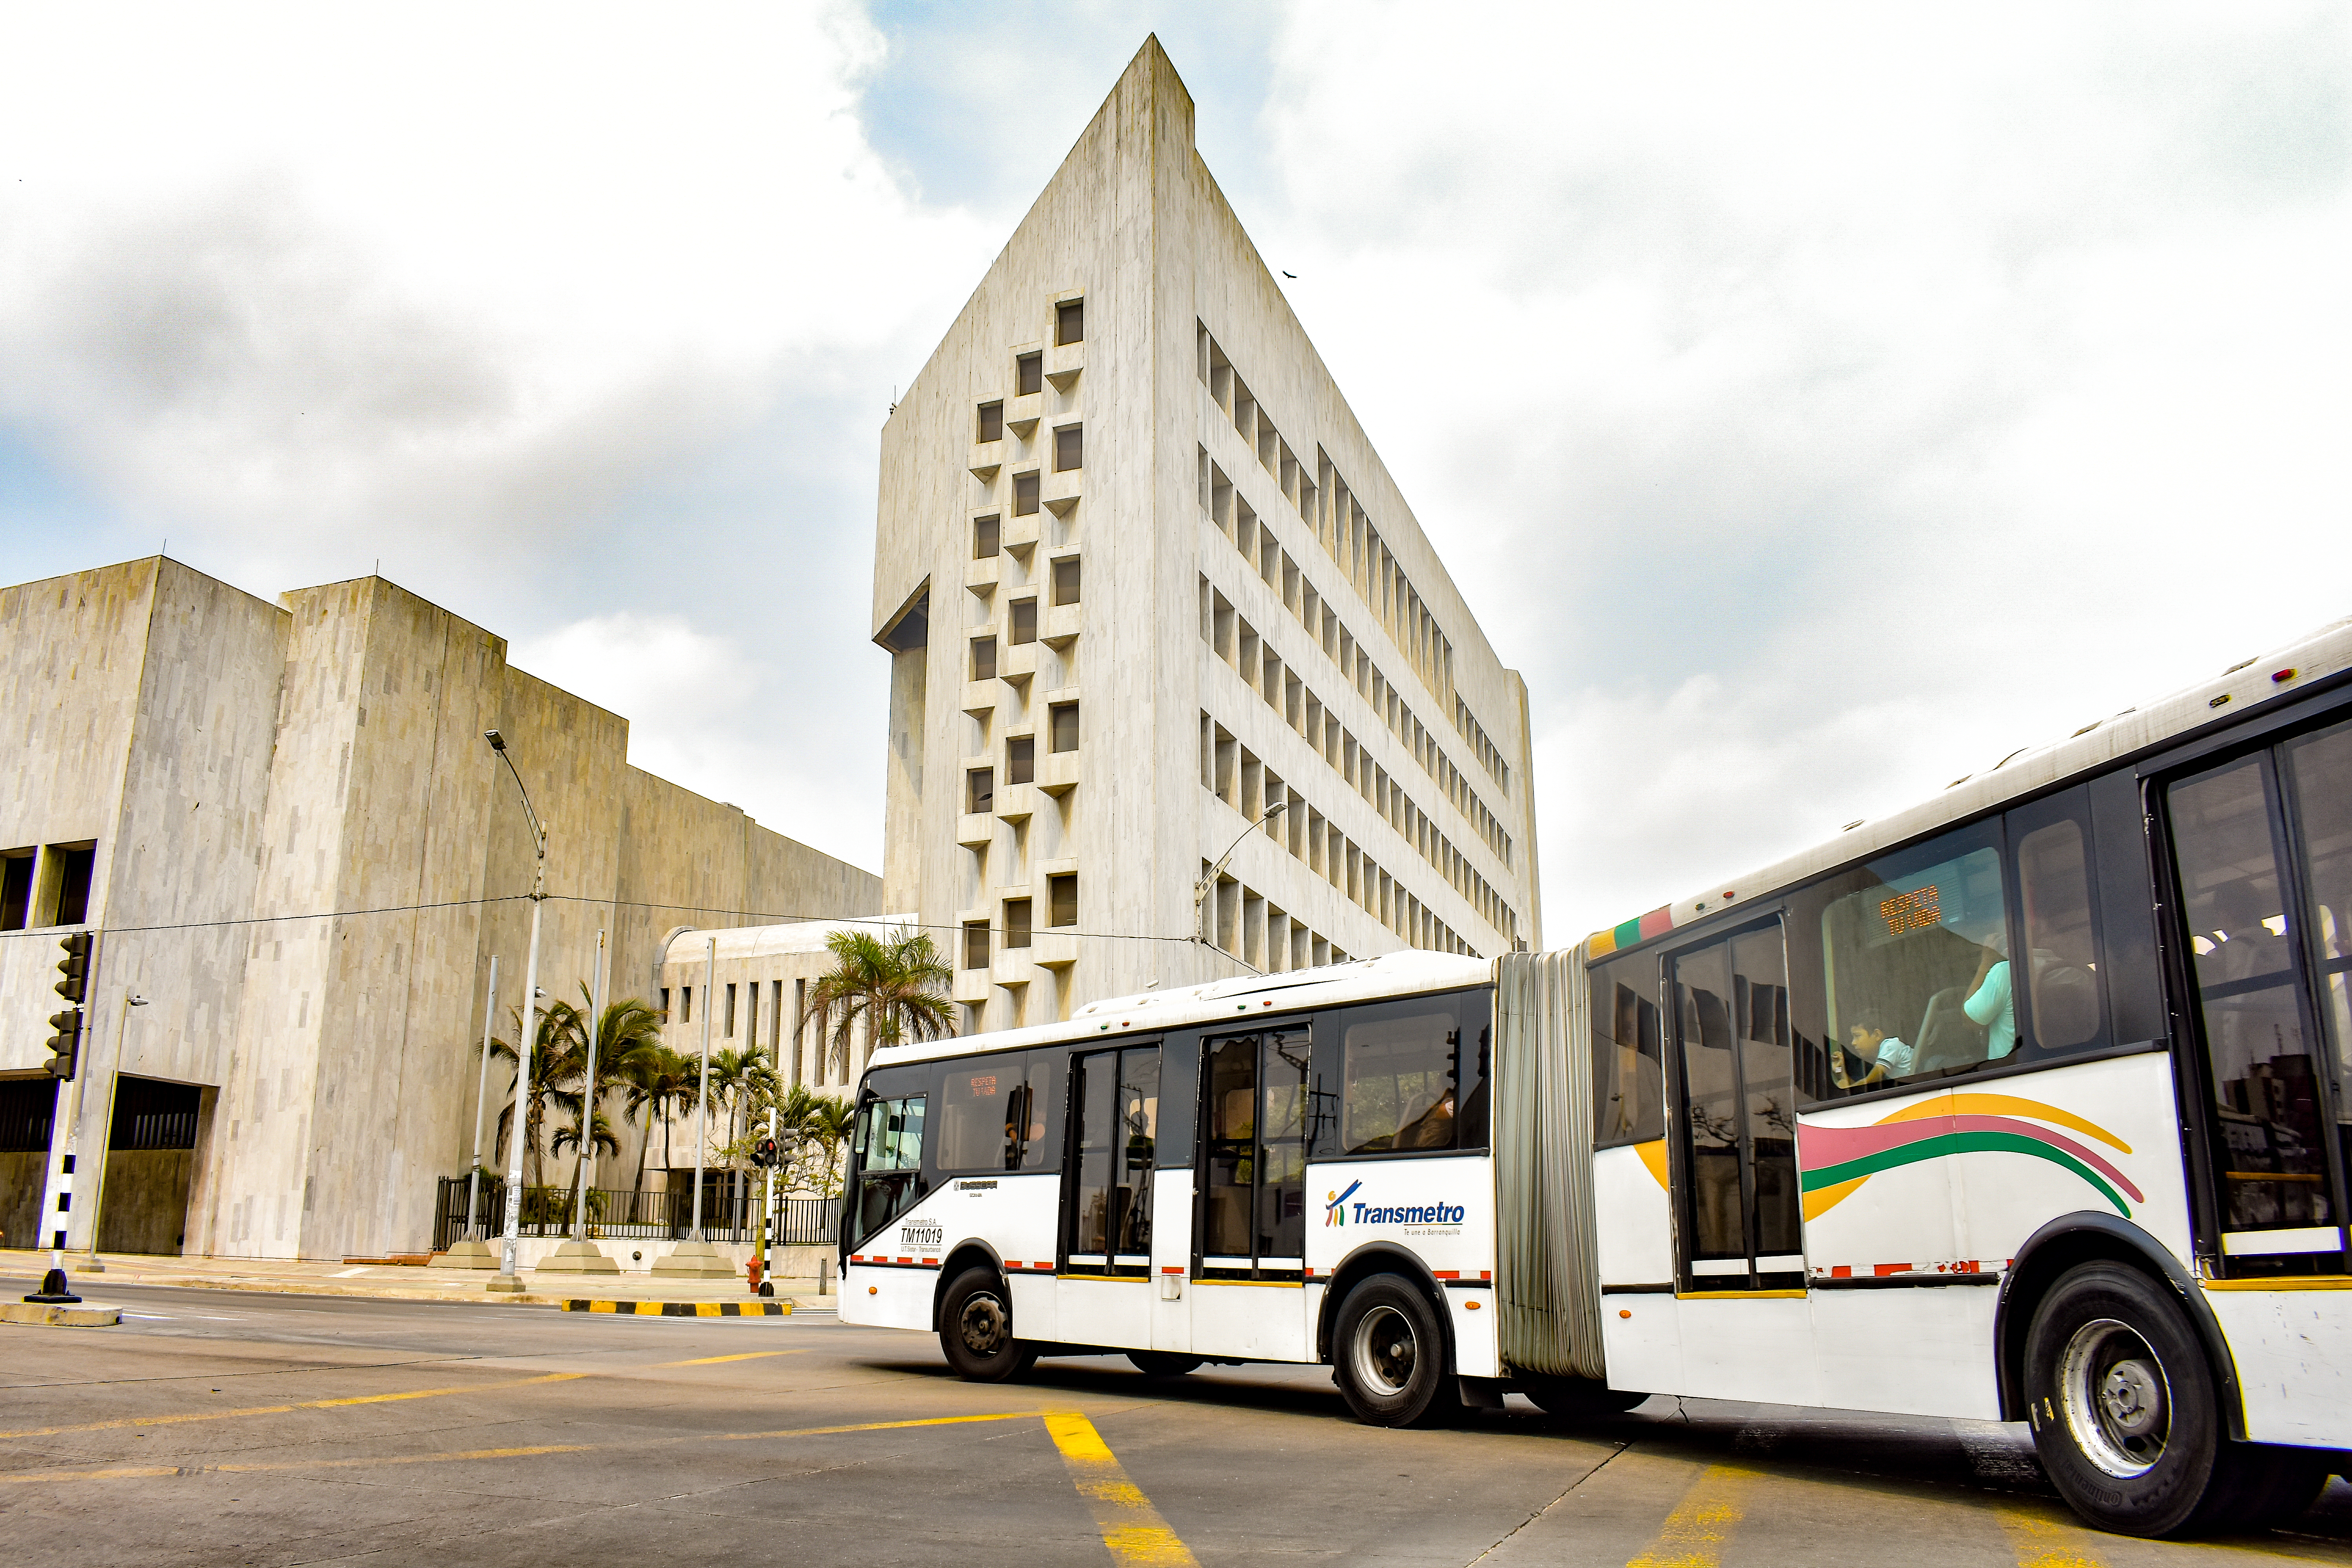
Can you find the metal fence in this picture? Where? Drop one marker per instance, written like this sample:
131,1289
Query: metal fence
731,1212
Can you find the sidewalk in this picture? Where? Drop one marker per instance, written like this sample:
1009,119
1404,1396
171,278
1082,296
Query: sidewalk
395,1283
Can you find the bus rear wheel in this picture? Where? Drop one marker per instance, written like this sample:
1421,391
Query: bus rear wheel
976,1329
1392,1365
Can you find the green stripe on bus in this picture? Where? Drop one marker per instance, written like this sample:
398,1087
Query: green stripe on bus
1628,933
1976,1142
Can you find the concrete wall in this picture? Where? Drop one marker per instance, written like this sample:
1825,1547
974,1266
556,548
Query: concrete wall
305,858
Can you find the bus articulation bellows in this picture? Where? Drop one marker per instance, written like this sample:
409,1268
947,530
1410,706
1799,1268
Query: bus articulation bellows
2027,1104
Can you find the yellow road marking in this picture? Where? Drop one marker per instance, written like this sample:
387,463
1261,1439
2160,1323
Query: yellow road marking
2044,1542
283,1409
1130,1526
1694,1533
715,1360
148,1471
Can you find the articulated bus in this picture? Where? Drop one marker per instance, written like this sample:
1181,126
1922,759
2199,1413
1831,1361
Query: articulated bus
2027,1104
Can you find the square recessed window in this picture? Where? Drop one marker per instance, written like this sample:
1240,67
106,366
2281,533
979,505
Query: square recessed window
1063,721
975,945
1024,621
980,790
1065,580
1024,494
987,532
992,422
1070,321
983,658
1016,922
1069,448
15,890
1062,894
1028,375
1021,758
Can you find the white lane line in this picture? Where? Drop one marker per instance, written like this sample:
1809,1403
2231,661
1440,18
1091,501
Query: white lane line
346,1273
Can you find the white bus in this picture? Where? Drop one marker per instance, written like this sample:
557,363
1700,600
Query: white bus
2027,1104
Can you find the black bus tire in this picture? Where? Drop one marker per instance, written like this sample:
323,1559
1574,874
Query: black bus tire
2125,1410
1163,1363
1390,1357
976,1329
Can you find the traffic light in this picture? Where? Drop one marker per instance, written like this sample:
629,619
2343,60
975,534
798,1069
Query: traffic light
65,1045
74,966
765,1154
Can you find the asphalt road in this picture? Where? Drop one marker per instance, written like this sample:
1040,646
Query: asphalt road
220,1427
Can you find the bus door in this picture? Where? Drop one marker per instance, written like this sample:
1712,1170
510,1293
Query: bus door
1735,1146
2263,855
1249,1295
1106,1291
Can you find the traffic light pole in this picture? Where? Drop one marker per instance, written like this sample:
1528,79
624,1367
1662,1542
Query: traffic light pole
81,951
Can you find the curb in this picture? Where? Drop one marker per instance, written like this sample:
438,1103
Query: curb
60,1314
685,1309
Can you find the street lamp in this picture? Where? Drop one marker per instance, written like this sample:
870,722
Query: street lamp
507,1281
1201,889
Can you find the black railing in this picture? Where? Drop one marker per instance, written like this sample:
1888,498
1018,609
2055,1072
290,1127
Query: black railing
731,1212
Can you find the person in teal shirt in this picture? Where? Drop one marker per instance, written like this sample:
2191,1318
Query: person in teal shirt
1990,1006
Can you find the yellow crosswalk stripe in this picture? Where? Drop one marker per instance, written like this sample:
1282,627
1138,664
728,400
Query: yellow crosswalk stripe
2044,1542
1130,1526
1694,1534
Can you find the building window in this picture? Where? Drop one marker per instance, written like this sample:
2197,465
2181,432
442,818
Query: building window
983,658
980,790
74,864
1016,922
986,533
1065,580
15,890
1028,375
686,1004
1024,494
975,945
1062,894
991,421
1021,758
1024,621
1070,321
665,1003
730,1030
1069,448
1063,716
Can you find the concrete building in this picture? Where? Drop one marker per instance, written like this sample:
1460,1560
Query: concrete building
748,987
285,825
1144,579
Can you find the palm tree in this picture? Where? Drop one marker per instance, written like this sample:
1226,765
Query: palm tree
892,984
734,1073
659,1079
549,1067
626,1031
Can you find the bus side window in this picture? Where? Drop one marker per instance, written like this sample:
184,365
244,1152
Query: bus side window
1628,1059
1412,1075
979,1099
1032,1140
2062,1010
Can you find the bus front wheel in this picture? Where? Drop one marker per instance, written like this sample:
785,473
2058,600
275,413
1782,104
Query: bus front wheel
1392,1362
976,1329
2126,1415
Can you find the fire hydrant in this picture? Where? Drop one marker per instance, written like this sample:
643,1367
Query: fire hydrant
751,1272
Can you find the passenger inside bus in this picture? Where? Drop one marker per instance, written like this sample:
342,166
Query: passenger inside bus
1872,1054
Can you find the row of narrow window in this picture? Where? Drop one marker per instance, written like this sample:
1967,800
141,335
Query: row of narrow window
46,885
786,1045
1232,772
1021,758
1016,934
1264,935
1347,535
1233,640
1251,535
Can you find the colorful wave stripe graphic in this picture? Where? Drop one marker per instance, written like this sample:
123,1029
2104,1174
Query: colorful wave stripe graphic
1836,1161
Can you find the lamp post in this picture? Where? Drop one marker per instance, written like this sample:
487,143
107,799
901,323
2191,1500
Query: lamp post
506,1280
470,1251
90,1265
695,1259
1207,885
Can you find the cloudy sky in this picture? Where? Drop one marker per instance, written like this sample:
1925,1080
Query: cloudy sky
1815,405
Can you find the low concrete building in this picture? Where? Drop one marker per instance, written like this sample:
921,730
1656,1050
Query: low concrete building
299,856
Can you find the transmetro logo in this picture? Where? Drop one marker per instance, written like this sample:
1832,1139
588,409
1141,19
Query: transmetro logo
1335,1211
